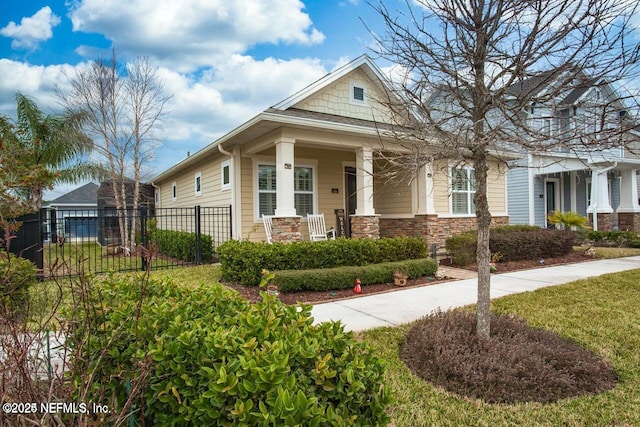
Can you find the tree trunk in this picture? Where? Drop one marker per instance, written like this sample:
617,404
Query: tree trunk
483,257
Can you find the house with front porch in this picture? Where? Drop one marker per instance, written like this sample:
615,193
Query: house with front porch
321,150
600,182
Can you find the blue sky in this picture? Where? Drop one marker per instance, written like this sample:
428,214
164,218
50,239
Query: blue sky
222,61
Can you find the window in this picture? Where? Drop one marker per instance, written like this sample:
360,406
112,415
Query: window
463,188
547,127
303,190
174,191
197,183
156,196
225,177
358,93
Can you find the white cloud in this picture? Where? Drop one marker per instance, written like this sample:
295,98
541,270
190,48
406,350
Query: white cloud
189,34
31,30
220,99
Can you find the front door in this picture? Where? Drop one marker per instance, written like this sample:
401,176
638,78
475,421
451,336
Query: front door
350,195
551,196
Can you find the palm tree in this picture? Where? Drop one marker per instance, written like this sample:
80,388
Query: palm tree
53,144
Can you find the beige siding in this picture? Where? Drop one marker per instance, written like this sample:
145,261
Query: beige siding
391,197
211,195
496,189
336,99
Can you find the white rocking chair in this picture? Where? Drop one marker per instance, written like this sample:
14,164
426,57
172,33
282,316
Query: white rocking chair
317,228
268,226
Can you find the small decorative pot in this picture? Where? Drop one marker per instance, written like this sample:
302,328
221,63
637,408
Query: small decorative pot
400,279
273,290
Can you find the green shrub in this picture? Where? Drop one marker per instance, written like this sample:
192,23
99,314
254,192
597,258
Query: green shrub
16,276
514,243
634,243
462,248
344,277
243,261
182,245
531,244
610,238
216,359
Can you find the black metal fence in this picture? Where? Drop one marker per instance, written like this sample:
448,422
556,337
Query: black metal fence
68,242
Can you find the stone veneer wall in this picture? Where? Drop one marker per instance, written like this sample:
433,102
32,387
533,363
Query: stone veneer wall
604,221
286,229
365,226
629,221
435,230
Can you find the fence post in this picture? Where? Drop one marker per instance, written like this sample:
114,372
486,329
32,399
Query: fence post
143,235
231,224
198,235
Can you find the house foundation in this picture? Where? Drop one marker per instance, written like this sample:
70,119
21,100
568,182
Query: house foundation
363,226
604,221
286,229
436,230
629,221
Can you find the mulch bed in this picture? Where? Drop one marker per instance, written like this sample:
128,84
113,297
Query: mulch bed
507,266
316,297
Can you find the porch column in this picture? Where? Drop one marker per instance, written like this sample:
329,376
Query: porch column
285,206
424,184
629,208
600,208
365,223
364,181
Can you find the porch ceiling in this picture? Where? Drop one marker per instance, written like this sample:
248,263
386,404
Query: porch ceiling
543,165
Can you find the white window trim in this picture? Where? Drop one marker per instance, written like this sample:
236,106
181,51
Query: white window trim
174,191
156,197
223,186
197,176
270,161
352,100
470,194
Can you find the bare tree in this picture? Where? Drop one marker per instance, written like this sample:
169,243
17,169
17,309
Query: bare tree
124,106
473,71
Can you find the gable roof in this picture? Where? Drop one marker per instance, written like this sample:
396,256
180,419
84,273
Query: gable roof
85,195
283,113
363,61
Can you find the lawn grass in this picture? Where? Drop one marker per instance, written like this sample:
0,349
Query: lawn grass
608,253
599,313
90,257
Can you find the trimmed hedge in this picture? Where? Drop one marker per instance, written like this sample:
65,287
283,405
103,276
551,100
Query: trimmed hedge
243,261
216,359
514,243
182,245
16,276
344,277
610,238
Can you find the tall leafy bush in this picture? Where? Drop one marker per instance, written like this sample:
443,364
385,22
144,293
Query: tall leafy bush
216,359
182,245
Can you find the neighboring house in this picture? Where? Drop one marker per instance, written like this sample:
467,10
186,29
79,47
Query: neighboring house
76,214
599,182
319,151
108,231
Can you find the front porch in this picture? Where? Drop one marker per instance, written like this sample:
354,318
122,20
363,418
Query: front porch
605,192
293,177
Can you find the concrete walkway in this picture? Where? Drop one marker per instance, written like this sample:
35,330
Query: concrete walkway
403,306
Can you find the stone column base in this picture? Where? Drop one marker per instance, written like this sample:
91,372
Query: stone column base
604,221
365,226
629,221
286,229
